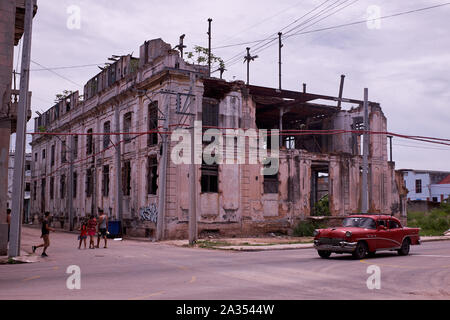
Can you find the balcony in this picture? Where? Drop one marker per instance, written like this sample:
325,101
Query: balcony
12,112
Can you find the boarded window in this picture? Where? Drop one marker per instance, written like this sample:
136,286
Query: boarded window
418,186
89,182
74,184
67,104
43,154
52,156
52,187
152,175
89,142
127,126
152,138
210,113
75,146
27,187
105,181
63,152
271,183
62,186
210,178
43,187
106,129
126,178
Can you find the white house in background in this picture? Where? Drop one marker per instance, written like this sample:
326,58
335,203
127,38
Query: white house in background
441,190
427,185
27,184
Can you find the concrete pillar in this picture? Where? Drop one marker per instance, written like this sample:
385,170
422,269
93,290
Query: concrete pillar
7,29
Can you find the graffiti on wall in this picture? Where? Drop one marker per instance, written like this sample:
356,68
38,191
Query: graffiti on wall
149,213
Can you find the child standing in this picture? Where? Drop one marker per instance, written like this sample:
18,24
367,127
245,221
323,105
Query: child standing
92,229
83,234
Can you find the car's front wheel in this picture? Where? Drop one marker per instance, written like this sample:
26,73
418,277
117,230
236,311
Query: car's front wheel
404,250
324,254
360,251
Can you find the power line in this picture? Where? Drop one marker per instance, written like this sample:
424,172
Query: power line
68,67
367,20
322,12
286,35
342,25
420,147
256,24
269,37
54,72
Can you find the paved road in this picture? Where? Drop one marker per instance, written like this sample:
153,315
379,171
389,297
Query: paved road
140,270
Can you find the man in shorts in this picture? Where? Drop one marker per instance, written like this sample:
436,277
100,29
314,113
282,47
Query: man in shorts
102,227
45,235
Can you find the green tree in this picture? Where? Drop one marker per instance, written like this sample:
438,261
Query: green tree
200,56
61,96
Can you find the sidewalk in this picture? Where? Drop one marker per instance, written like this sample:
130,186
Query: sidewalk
268,247
234,244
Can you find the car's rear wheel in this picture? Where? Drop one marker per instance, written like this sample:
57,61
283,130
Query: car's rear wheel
404,250
324,254
360,250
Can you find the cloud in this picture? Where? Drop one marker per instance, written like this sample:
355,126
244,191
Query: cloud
404,63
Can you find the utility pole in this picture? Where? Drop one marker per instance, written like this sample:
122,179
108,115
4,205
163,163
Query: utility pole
222,70
341,90
19,159
70,183
280,45
163,177
209,47
365,168
249,58
390,147
118,189
181,45
192,176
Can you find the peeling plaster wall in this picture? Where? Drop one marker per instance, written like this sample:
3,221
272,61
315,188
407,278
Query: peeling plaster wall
240,207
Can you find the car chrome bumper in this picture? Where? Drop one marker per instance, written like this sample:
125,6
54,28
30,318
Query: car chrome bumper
343,246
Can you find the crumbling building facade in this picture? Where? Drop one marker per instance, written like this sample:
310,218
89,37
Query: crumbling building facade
111,138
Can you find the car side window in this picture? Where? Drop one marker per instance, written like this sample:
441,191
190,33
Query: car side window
393,224
381,223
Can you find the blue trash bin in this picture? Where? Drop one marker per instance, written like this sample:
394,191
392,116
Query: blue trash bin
115,229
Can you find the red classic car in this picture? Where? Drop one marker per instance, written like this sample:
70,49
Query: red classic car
364,234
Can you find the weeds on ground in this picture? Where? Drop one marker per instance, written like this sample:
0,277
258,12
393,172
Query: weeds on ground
434,223
306,228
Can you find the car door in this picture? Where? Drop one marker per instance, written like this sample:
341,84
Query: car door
383,235
395,232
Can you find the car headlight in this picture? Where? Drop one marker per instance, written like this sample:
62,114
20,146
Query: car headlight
348,234
316,233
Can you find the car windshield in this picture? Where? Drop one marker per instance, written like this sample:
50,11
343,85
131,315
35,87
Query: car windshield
367,223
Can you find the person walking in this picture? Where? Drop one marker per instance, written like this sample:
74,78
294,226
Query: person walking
45,235
102,227
92,228
83,234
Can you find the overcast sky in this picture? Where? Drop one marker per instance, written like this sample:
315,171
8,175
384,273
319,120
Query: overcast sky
405,62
